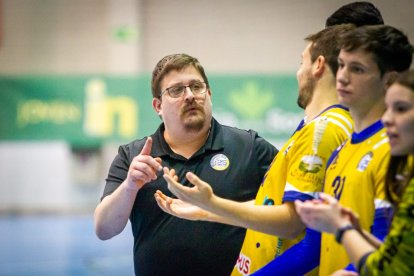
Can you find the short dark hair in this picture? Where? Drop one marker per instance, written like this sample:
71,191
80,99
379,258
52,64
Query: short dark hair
391,48
173,62
357,13
325,43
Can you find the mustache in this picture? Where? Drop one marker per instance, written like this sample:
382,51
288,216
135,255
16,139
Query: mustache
193,105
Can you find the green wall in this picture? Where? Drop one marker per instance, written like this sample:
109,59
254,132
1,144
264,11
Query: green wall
88,110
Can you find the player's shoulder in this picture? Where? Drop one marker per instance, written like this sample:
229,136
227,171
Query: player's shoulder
336,117
232,130
338,112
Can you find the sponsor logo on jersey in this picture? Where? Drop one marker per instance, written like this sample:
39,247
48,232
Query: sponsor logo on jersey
219,162
311,164
243,264
364,162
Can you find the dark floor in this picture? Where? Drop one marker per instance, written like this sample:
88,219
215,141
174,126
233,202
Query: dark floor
61,245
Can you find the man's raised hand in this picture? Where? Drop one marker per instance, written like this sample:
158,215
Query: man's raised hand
143,167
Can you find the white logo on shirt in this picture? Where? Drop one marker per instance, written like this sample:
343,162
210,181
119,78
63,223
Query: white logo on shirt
219,162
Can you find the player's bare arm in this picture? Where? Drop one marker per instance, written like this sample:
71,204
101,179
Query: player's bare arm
280,220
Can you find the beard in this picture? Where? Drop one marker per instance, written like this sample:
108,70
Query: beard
306,93
193,117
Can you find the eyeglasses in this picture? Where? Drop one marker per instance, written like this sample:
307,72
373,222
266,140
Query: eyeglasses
196,87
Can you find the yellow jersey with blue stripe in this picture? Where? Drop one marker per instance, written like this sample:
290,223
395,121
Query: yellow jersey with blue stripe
300,168
356,177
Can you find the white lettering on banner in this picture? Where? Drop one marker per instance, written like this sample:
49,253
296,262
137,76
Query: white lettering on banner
36,111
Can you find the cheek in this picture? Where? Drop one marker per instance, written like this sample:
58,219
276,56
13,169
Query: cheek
406,126
208,105
170,109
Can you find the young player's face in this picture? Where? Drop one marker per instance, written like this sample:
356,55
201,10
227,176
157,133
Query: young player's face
305,79
399,119
358,80
189,111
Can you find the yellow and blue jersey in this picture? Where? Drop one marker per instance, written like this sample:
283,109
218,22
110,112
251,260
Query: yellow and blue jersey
297,171
356,176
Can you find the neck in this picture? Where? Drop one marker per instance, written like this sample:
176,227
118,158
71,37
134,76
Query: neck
186,143
367,116
324,96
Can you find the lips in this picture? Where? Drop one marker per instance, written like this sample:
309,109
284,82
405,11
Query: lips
192,108
392,136
343,91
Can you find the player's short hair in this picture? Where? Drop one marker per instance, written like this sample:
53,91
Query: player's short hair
391,48
357,13
325,43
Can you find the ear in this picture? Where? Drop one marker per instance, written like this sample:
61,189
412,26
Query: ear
156,104
389,78
318,66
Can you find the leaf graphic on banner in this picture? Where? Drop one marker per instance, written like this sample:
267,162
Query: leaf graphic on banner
251,102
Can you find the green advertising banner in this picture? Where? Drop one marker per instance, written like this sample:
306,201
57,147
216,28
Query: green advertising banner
86,111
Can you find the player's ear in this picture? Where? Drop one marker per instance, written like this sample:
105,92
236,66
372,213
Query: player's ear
318,66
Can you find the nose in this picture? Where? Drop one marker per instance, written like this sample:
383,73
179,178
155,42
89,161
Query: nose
190,95
387,118
342,76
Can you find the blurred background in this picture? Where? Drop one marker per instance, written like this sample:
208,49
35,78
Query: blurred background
75,84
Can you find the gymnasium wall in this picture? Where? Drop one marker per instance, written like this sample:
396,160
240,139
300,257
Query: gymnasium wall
74,80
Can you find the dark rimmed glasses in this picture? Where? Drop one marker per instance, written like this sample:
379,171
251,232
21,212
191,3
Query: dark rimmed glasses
176,91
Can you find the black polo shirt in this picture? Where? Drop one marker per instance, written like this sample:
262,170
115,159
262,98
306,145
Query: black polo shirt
233,162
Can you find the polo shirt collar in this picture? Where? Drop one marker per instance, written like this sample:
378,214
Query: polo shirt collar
214,141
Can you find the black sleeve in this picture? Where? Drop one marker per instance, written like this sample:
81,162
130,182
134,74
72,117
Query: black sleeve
118,171
265,153
362,261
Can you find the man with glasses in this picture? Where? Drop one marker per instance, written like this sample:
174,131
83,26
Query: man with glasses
189,139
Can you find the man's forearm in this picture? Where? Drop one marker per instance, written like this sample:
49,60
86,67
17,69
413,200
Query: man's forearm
112,214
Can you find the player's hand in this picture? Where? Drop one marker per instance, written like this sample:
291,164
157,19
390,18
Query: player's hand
143,167
200,194
353,217
324,215
179,208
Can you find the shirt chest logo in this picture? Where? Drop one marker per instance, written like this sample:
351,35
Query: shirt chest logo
364,162
219,162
